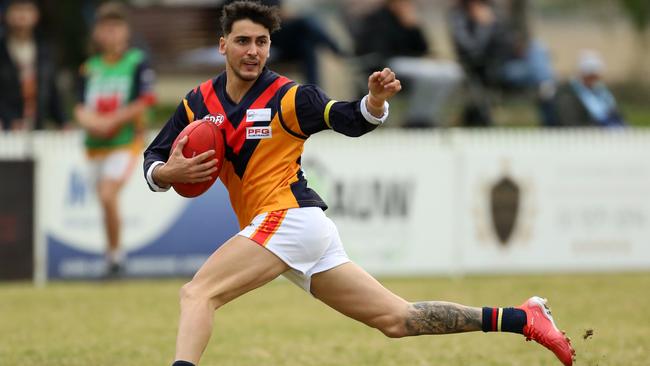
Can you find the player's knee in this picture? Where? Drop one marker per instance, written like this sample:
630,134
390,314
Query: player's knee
107,197
190,293
185,293
393,326
394,331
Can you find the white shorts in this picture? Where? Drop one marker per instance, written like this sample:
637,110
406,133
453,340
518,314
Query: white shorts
116,165
304,238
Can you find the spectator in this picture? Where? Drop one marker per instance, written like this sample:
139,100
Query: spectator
299,40
28,92
585,100
114,95
404,48
497,53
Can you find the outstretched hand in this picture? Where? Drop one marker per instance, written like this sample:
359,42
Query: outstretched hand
382,85
179,169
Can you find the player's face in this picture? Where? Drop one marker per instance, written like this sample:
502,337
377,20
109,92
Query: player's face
22,17
246,49
112,36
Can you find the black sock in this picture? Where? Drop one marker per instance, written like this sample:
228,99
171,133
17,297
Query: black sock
504,320
182,363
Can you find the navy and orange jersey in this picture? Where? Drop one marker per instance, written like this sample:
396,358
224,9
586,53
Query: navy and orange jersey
264,136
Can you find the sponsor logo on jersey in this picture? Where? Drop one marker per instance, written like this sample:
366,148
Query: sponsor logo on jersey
258,115
216,119
257,133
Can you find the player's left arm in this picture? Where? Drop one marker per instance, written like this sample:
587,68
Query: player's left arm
317,112
382,85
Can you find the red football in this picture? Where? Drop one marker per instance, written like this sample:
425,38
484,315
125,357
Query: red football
202,136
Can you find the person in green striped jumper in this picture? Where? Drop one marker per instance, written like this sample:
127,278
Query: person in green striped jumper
115,92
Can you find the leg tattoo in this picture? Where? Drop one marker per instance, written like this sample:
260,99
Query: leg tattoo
437,317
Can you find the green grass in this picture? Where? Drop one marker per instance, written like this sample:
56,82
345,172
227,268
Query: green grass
636,114
134,323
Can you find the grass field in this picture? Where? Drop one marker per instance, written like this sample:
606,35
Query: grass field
134,323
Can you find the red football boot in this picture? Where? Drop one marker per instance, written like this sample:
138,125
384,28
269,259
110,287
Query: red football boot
541,328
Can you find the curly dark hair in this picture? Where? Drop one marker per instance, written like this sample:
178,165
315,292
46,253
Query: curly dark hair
267,16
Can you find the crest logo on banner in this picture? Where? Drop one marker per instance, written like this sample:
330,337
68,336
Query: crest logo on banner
503,208
505,199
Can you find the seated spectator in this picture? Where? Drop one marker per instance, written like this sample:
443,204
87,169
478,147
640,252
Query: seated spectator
298,40
585,100
28,92
494,55
403,47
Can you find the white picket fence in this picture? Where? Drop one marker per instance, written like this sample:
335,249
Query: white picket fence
432,202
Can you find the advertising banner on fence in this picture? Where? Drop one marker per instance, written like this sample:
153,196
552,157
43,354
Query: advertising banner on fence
530,204
163,234
405,203
389,196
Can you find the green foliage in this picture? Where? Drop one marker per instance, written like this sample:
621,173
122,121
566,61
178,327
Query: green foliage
638,11
636,115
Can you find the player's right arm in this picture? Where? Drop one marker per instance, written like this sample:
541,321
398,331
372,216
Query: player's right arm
162,166
94,124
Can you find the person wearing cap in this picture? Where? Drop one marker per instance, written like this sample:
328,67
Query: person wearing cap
585,100
115,91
